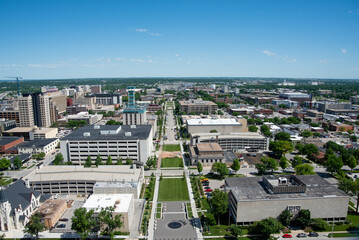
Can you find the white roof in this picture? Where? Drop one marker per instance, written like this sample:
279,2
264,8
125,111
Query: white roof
220,121
121,202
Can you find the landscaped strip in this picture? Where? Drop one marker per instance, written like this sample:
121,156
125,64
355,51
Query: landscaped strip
173,189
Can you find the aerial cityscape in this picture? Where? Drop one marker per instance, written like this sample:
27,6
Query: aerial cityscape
179,120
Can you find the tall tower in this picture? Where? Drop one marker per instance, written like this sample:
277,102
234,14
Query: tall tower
26,112
131,97
133,114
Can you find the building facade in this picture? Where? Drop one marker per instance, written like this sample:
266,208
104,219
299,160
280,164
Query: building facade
198,106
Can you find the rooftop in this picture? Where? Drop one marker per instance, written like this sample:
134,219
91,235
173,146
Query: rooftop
243,135
208,147
50,207
7,140
121,202
20,129
254,188
110,132
206,122
37,143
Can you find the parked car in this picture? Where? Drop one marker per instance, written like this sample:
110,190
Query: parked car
205,180
301,235
61,226
313,234
208,190
63,219
287,235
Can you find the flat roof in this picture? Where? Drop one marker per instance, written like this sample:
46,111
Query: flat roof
206,122
45,130
121,202
240,135
7,140
209,147
37,143
252,188
19,129
94,133
50,207
113,173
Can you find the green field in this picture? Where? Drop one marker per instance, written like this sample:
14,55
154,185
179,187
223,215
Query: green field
171,147
171,162
173,189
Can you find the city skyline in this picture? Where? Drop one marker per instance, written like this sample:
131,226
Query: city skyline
89,39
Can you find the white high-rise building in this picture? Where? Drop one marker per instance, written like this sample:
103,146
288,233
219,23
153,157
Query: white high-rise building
26,112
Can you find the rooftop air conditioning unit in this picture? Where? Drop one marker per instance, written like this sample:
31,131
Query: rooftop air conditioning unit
87,134
128,134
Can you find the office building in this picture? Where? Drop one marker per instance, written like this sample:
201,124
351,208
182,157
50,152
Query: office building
108,98
96,89
7,143
133,114
119,142
25,132
255,198
217,125
51,211
296,96
38,146
248,141
198,106
354,99
10,115
26,112
6,125
85,116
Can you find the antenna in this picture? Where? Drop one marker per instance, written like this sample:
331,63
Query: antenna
18,84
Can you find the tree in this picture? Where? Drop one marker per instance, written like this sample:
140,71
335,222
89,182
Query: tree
306,134
252,128
235,166
88,162
109,160
98,160
303,218
199,167
261,168
110,221
350,187
41,155
296,161
5,163
352,162
59,159
304,169
281,147
119,161
266,131
129,161
282,136
334,163
219,203
220,168
309,150
270,163
82,222
283,162
213,131
353,138
35,225
266,227
235,231
285,217
318,224
17,162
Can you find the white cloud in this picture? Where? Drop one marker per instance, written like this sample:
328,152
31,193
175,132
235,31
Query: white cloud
138,60
269,53
120,59
150,61
147,31
176,55
344,51
42,65
323,61
293,60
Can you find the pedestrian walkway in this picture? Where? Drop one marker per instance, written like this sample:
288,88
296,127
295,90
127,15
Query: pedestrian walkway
151,224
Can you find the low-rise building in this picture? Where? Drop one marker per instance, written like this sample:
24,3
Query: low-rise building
123,205
38,146
52,210
17,203
255,198
75,180
6,125
7,143
25,132
85,116
198,106
42,133
218,125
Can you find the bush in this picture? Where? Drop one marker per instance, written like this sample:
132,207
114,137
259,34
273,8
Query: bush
319,224
210,219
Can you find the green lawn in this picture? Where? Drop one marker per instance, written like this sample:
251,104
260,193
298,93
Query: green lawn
171,162
354,226
343,235
171,147
173,189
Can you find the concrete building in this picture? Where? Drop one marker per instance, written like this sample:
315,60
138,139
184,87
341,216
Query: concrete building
74,180
6,143
219,125
75,109
25,132
17,203
49,89
90,100
209,153
249,141
41,133
90,119
287,103
119,142
123,205
198,106
133,114
96,89
296,96
6,125
38,146
10,115
354,99
26,112
52,210
255,198
108,98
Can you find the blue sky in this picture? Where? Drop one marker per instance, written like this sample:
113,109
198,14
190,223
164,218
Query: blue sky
118,38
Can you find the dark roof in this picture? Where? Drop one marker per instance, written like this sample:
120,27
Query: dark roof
37,143
107,94
138,132
253,188
23,157
17,194
7,140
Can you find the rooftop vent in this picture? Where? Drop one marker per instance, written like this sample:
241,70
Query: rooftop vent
128,134
87,134
133,126
282,181
96,126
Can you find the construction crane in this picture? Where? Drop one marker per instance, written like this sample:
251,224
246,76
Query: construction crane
18,84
